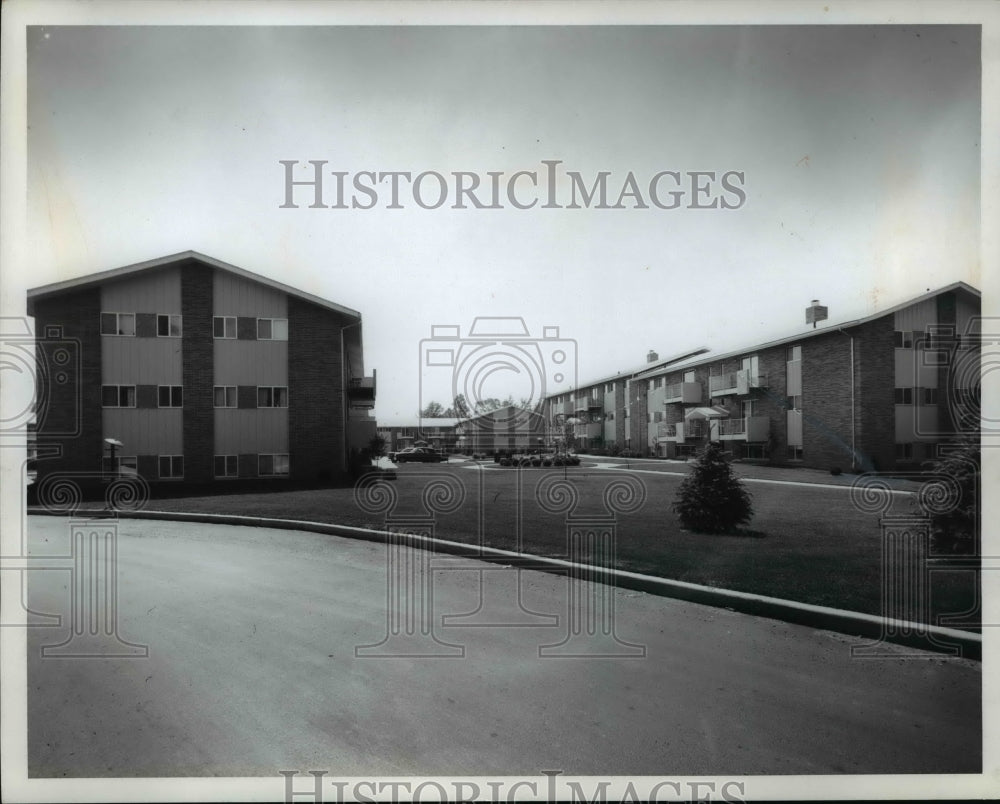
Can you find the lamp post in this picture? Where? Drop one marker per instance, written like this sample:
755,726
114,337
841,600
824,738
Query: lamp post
113,444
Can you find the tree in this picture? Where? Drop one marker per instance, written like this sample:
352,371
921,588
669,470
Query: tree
434,410
712,499
460,407
376,447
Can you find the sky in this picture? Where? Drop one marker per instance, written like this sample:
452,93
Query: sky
858,147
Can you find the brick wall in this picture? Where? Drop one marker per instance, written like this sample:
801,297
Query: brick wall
316,435
826,401
198,373
68,383
875,362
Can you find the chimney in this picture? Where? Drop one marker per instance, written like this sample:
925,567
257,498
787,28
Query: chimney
815,312
652,357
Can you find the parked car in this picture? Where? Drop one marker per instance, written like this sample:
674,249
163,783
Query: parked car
421,455
394,455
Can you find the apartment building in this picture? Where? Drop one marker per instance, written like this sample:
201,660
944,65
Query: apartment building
436,433
186,369
508,428
875,392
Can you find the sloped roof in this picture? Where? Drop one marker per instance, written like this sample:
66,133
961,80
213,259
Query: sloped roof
734,350
45,291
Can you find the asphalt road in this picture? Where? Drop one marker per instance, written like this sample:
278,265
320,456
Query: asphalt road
252,669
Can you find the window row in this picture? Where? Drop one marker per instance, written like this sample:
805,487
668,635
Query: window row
268,465
268,329
907,339
172,326
171,467
124,396
268,396
172,396
160,325
924,396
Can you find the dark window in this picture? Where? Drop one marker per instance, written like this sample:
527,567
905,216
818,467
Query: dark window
171,466
171,396
224,326
904,396
168,326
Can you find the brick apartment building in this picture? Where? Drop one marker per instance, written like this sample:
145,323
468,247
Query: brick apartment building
874,392
509,428
204,373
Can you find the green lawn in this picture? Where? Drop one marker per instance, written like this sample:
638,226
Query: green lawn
805,544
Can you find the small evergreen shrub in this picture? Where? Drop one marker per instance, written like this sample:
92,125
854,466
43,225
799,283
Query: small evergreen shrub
712,499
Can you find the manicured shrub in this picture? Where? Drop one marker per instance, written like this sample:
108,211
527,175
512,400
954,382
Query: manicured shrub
712,499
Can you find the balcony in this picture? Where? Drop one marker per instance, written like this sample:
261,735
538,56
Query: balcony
746,428
687,393
585,406
723,383
361,391
747,381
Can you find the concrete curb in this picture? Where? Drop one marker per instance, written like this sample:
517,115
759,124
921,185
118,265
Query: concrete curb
951,641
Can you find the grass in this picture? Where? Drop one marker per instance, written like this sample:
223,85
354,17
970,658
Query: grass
804,544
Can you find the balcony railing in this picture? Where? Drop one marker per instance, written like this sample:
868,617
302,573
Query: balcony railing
747,380
684,392
745,428
361,390
722,383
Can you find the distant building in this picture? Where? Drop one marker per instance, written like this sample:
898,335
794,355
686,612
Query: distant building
505,429
437,433
875,392
203,372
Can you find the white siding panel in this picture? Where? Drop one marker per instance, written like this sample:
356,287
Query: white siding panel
261,430
145,431
904,424
141,361
235,295
151,292
916,317
250,362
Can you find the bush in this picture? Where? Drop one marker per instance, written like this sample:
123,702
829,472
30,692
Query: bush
958,530
712,499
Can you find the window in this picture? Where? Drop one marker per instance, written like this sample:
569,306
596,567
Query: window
651,386
119,463
794,353
168,326
226,465
928,396
224,326
688,376
118,396
904,340
171,467
225,396
272,329
272,465
118,324
649,417
171,396
272,396
904,396
794,402
610,417
658,416
794,453
904,451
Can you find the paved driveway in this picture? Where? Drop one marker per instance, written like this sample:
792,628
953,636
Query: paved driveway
252,669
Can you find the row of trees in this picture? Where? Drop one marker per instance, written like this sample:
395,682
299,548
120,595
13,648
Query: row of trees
462,409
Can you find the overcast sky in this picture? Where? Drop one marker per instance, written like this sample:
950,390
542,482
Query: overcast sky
859,149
